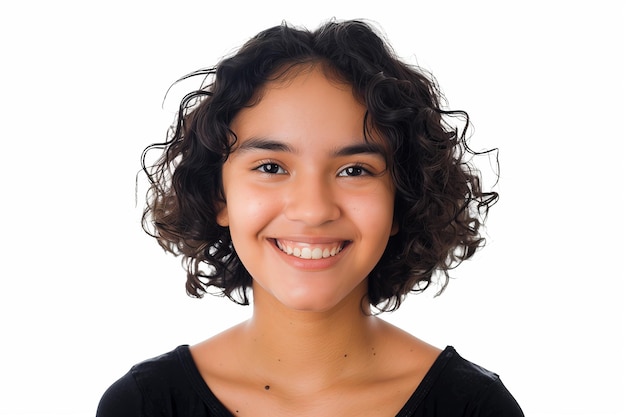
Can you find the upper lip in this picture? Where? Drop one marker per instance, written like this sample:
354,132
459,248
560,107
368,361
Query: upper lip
311,240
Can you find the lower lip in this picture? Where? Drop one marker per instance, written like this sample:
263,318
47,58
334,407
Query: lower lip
310,264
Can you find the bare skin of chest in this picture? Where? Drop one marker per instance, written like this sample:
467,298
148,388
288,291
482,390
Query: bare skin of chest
383,399
375,380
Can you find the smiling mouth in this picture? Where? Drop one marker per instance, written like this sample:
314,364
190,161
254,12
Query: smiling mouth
310,251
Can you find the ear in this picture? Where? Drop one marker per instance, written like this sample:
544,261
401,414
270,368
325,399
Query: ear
395,228
222,216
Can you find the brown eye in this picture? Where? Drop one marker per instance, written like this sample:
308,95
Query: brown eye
270,168
353,171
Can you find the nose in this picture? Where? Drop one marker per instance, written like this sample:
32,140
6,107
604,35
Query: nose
312,201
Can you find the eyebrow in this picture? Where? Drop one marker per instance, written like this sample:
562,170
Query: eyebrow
360,148
263,144
278,146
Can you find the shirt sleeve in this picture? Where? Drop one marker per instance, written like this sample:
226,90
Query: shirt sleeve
122,399
497,401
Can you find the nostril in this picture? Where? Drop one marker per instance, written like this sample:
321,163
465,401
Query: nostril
312,206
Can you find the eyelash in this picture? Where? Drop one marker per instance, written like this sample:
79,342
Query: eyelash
272,168
362,171
267,164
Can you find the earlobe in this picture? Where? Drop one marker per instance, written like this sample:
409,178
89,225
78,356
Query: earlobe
395,228
222,216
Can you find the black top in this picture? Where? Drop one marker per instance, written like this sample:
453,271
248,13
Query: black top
171,386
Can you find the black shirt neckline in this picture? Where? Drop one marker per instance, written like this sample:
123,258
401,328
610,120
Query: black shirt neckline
204,391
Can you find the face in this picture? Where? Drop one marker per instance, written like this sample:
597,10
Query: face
309,202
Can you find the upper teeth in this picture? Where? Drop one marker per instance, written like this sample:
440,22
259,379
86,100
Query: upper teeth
304,251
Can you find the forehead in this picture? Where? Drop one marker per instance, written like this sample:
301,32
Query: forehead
301,101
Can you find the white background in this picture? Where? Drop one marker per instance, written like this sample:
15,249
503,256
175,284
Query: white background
84,294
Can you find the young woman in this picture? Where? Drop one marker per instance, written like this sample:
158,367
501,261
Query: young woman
317,172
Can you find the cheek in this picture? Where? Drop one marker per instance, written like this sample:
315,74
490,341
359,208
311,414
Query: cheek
376,211
250,204
249,213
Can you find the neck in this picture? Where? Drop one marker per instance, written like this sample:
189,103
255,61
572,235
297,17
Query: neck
319,346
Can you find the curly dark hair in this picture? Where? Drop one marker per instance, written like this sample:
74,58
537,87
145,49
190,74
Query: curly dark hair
439,203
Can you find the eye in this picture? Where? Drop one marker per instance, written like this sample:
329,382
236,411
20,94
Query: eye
354,171
270,168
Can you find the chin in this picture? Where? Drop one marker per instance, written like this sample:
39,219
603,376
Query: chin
310,297
309,301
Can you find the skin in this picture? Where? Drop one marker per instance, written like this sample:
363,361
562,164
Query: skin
303,181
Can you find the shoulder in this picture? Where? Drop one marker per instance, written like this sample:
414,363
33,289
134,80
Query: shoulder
151,386
463,388
467,374
122,398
